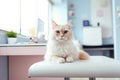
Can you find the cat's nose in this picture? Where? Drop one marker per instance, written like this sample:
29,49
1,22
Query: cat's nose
62,35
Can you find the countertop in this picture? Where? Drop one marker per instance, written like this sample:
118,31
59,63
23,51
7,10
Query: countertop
22,49
22,45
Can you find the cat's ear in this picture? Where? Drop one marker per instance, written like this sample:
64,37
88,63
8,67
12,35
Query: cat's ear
54,24
69,23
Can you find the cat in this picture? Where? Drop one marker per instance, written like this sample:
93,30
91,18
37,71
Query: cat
62,47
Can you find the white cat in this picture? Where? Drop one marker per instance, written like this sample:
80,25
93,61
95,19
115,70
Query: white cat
61,45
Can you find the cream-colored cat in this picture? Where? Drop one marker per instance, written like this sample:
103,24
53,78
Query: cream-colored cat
61,45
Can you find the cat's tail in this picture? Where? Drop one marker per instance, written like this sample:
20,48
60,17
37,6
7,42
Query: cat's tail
83,55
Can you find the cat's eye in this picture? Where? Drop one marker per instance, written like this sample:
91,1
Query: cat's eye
65,31
57,31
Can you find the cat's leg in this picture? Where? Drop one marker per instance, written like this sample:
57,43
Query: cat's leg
69,59
83,55
57,59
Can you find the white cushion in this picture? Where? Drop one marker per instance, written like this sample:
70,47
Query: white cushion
96,66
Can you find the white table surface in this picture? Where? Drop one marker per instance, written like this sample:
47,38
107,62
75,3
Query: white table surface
96,66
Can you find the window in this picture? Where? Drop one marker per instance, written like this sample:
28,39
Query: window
34,17
28,17
10,15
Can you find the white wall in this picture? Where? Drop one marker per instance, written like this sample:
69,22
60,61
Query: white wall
102,12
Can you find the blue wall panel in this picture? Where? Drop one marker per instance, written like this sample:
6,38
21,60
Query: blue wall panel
82,12
116,25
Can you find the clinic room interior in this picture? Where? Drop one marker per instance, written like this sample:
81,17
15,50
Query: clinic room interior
25,26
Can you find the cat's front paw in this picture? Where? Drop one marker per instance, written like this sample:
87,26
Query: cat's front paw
69,59
60,60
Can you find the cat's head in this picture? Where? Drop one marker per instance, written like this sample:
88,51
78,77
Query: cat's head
62,33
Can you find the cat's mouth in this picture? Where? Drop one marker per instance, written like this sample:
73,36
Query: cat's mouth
61,39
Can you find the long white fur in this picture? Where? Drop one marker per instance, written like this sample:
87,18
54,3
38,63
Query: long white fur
54,47
62,51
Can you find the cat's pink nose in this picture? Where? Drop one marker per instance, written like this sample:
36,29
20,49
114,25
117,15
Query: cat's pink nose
62,35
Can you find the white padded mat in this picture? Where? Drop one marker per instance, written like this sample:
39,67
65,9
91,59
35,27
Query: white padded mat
96,66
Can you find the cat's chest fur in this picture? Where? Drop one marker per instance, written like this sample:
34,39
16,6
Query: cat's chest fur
62,49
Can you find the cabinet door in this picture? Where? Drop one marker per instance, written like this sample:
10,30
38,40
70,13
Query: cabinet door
3,68
19,65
